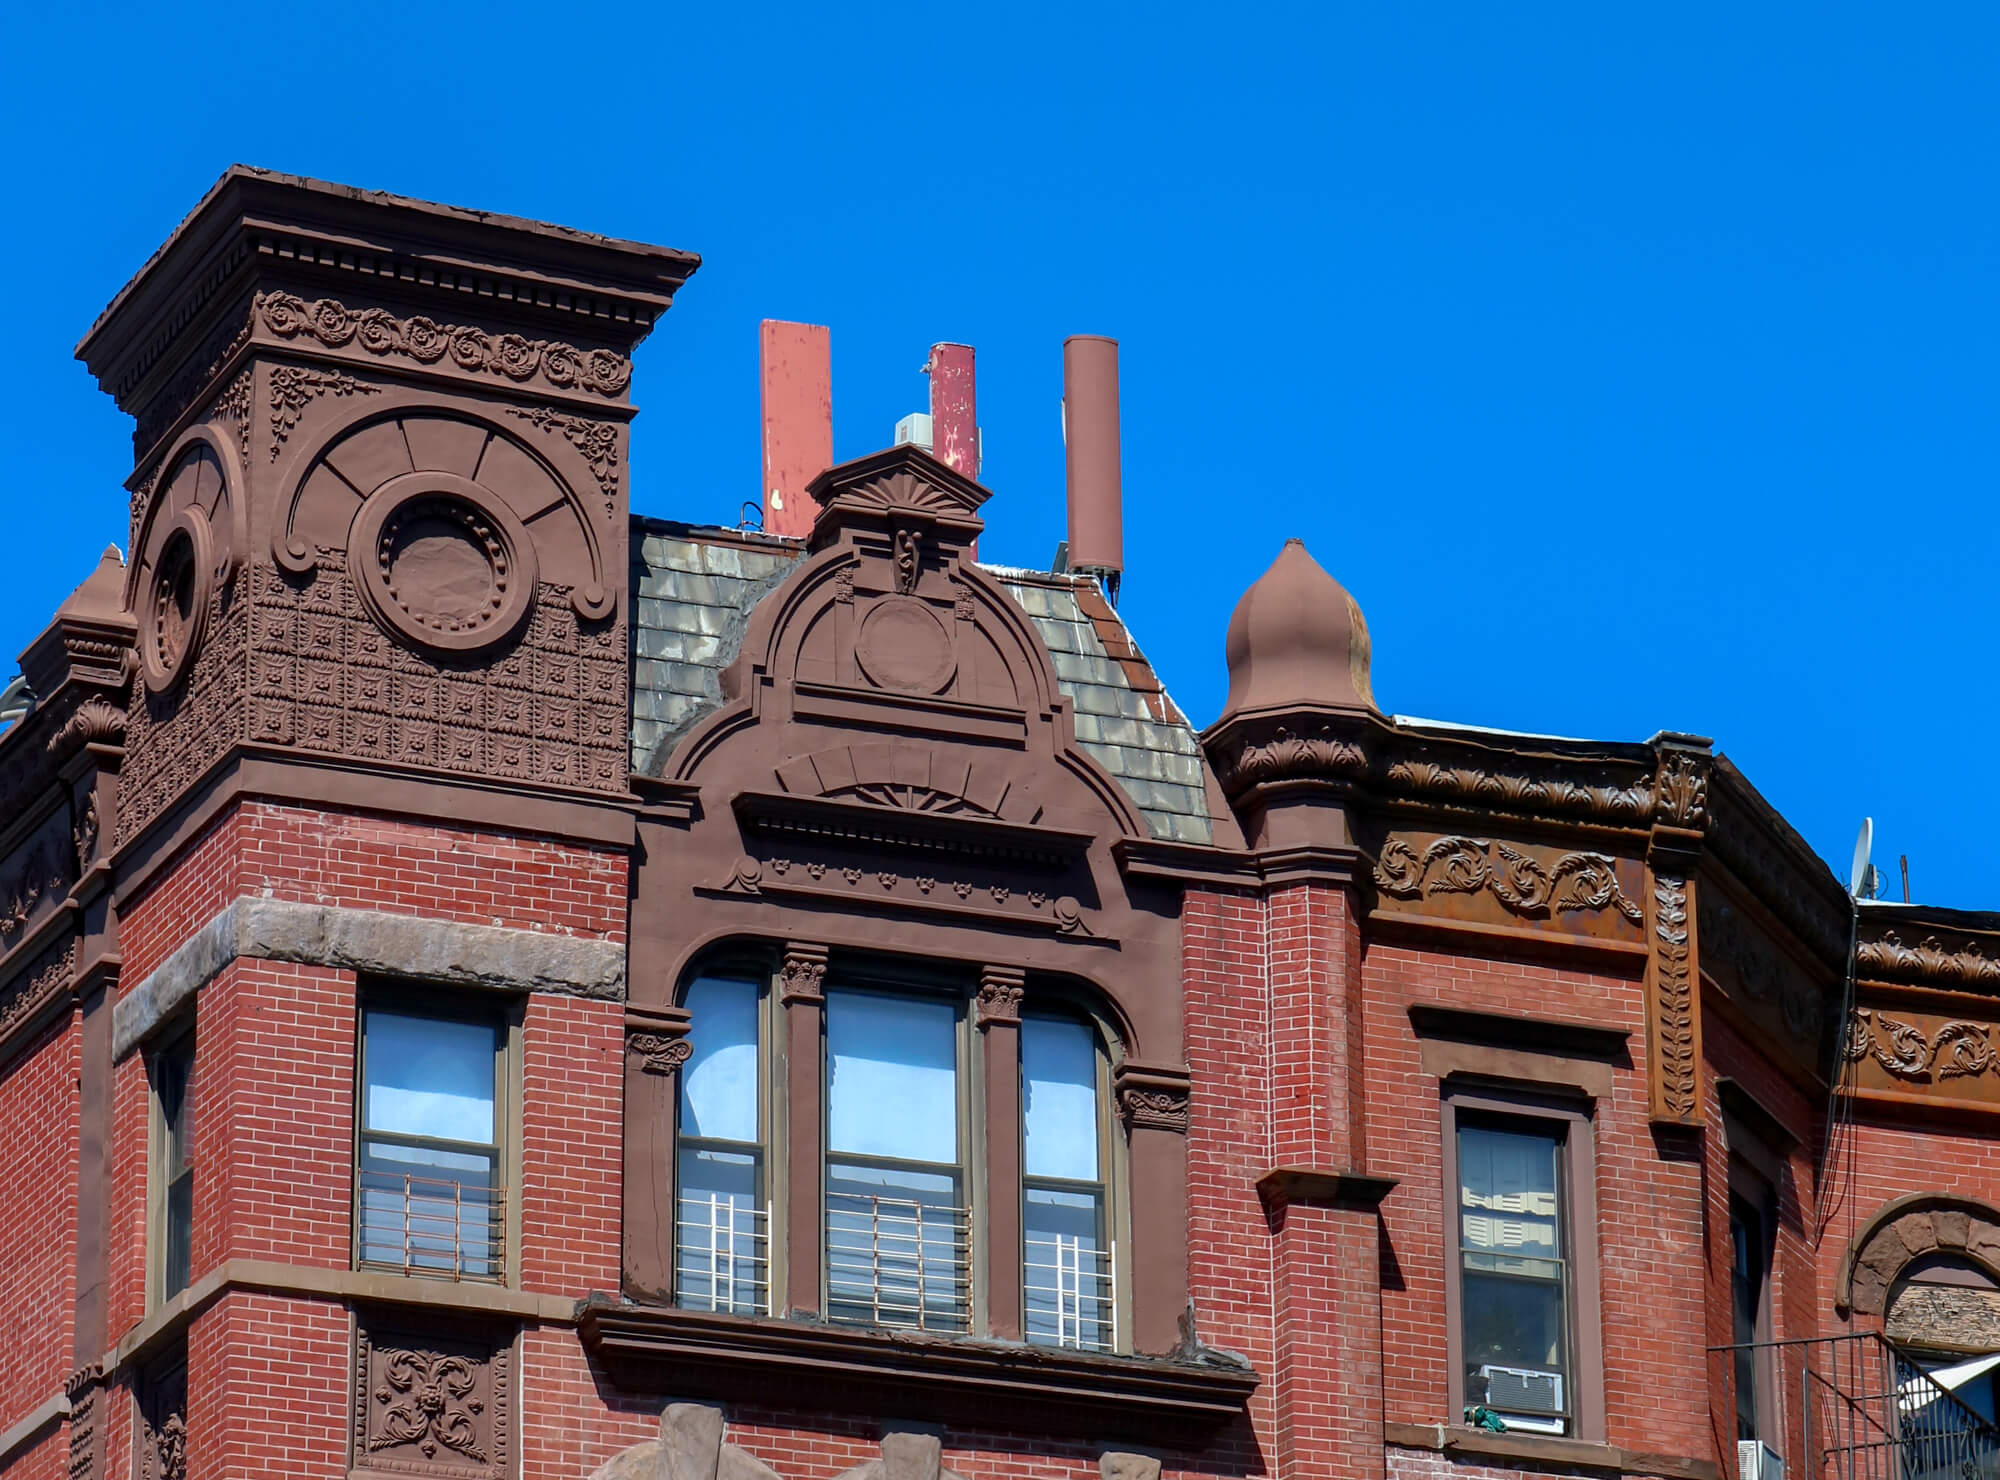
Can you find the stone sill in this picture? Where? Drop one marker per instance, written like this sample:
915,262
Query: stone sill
1542,1451
952,1380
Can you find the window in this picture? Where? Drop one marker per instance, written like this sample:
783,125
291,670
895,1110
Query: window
428,1183
173,1104
1522,1293
722,1258
1749,1303
1068,1281
898,1231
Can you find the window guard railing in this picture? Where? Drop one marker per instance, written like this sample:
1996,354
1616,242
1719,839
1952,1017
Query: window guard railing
897,1262
1072,1293
1866,1410
437,1227
723,1262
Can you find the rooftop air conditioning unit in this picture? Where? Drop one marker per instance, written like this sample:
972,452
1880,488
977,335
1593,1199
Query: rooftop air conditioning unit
1756,1460
1526,1398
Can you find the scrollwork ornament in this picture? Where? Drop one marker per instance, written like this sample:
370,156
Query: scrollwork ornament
1957,1050
378,332
661,1053
1522,884
1146,1108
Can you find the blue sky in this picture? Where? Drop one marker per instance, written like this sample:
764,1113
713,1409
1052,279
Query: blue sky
1633,368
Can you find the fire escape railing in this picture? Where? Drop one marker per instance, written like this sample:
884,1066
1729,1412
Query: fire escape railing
1858,1407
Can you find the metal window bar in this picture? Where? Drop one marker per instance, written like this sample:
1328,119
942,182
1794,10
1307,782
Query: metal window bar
437,1226
724,1245
1866,1410
897,1262
1072,1293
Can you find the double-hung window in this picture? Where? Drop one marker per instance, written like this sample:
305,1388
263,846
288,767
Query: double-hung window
173,1100
898,1230
1068,1280
1521,1288
428,1183
723,1235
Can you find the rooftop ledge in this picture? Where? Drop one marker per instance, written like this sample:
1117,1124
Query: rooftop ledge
940,1379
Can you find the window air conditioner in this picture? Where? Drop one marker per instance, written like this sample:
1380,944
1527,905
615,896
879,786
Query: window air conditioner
1527,1398
1756,1460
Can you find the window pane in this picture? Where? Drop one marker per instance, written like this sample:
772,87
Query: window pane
1512,1274
719,1081
179,1236
1746,1286
173,1080
892,1070
1507,1191
429,1077
1066,1275
722,1238
1059,1098
897,1248
431,1210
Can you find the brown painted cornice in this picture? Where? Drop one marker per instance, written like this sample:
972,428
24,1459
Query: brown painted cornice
370,244
779,1364
1927,946
880,829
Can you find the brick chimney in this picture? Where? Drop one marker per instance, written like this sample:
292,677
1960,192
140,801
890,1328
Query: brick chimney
795,364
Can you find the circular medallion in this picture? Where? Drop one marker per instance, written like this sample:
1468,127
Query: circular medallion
902,645
441,562
175,603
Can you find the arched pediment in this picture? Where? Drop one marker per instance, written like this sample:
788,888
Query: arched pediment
890,629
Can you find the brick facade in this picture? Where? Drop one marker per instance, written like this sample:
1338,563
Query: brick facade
1313,928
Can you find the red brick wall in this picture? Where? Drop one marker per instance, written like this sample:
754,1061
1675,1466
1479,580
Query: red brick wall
38,1152
572,1139
267,1389
274,1127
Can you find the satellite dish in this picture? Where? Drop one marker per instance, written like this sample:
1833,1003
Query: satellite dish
1862,880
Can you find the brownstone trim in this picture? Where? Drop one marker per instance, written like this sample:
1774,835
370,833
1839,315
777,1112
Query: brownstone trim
802,1036
781,1364
1507,1030
998,1013
1623,957
1539,1451
1445,1060
1282,1186
1586,1334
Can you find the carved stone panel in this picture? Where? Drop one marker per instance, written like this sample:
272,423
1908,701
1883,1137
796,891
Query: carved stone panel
1940,1055
1673,1002
1493,882
432,1400
35,877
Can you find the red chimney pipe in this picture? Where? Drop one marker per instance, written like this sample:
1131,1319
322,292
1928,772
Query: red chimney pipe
954,408
795,369
1090,437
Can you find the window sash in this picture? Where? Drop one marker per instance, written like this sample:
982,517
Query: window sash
173,1090
425,1218
1525,1270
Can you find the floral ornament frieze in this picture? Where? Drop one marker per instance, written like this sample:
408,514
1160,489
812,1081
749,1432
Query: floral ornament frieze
1932,960
1957,1050
1523,885
510,356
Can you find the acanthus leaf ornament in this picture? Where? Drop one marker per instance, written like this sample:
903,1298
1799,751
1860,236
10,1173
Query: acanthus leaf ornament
293,388
1675,1088
1680,790
661,1053
596,440
1957,1050
426,1400
1460,865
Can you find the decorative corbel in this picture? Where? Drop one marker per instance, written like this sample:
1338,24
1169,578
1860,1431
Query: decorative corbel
658,1038
1152,1097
